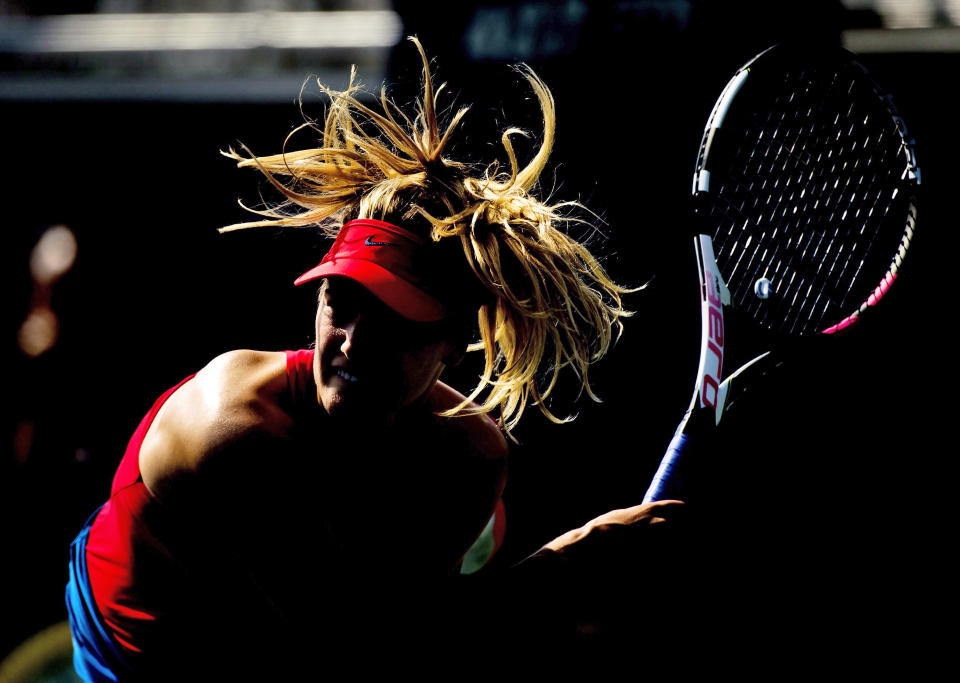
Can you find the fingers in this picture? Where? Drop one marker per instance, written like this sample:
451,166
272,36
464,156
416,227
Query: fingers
645,513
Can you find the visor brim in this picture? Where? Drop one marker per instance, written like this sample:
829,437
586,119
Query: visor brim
401,296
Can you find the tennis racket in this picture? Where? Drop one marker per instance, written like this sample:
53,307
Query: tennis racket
804,200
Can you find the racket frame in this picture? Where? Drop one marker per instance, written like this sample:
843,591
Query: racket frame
711,394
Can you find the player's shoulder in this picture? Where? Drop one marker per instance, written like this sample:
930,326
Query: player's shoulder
240,388
246,371
481,431
230,405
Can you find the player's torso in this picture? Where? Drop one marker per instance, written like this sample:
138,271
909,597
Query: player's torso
320,516
321,500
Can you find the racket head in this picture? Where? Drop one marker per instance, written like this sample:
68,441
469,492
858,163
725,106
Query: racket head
807,182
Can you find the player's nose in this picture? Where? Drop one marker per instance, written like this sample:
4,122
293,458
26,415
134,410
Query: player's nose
350,335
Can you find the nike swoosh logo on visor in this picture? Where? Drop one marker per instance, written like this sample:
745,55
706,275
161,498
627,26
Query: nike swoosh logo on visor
370,243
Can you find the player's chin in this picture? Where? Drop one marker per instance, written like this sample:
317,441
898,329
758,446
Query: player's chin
350,403
339,404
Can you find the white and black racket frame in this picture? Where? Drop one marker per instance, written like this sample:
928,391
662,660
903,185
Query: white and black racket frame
711,395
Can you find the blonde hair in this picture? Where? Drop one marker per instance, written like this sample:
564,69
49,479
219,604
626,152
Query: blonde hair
551,299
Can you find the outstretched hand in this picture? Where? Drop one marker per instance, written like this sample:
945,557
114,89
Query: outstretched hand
616,531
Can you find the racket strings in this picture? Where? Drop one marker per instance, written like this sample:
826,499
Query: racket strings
805,196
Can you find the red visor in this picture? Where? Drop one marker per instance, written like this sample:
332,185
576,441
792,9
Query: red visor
389,261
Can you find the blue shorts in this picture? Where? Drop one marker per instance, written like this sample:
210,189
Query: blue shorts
96,655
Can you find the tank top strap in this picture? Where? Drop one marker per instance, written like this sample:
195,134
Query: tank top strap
300,376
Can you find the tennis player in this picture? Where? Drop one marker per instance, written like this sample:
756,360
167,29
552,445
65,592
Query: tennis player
279,502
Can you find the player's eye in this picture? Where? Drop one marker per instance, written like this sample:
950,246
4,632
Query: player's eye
340,310
334,313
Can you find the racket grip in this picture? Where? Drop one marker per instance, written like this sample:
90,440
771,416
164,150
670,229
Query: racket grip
667,482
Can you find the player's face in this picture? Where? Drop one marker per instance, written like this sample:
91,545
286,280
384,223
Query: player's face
370,361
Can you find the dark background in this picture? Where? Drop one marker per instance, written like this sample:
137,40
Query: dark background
836,476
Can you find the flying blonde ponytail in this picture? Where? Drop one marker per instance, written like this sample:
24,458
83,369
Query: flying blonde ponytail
550,304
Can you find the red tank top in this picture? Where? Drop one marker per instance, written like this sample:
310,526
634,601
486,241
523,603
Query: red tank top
134,572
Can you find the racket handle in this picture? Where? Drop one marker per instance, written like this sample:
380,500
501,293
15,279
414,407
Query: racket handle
667,482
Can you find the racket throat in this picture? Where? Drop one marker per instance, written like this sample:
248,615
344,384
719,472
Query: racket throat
709,396
710,393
